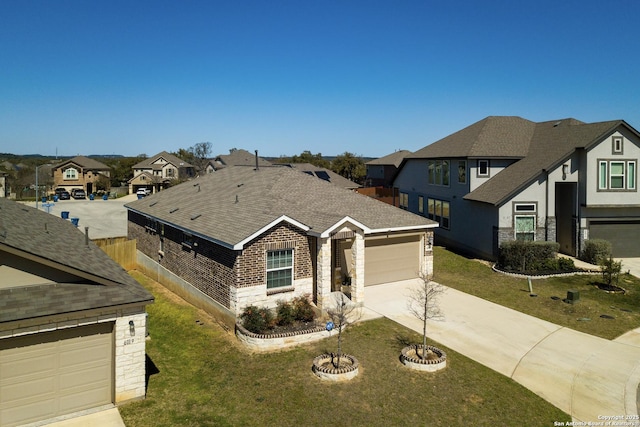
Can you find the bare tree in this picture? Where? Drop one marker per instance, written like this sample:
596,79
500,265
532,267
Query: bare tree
423,303
343,314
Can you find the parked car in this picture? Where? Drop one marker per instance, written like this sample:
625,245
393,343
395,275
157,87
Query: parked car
60,190
143,192
63,195
78,193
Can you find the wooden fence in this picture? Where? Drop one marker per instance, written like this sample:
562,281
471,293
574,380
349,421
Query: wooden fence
121,250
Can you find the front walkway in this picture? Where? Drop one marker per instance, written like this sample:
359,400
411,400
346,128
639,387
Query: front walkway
581,374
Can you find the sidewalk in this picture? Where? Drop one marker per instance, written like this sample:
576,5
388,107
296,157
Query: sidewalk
583,375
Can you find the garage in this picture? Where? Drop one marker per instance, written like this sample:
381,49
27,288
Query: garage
55,373
623,235
390,259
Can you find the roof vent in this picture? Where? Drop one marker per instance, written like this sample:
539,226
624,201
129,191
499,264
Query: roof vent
154,203
557,123
237,199
173,210
195,217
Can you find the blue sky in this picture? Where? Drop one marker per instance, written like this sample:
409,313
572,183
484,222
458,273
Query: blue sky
369,77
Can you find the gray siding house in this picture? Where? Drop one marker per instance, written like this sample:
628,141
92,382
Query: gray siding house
507,178
245,236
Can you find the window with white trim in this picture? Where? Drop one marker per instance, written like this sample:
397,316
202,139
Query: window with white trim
616,175
616,145
483,167
279,268
71,173
524,221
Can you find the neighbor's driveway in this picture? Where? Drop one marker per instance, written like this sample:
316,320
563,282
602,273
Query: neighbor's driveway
583,375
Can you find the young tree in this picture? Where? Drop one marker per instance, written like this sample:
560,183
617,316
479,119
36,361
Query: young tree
610,270
343,314
423,304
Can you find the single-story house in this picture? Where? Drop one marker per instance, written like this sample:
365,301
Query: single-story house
82,173
245,236
158,172
508,178
72,321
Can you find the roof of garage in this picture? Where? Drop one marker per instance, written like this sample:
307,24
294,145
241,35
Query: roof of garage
91,279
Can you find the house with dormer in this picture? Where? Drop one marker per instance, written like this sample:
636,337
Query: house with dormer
82,173
159,172
508,178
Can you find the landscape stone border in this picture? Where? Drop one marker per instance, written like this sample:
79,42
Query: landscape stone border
543,276
323,368
271,342
417,363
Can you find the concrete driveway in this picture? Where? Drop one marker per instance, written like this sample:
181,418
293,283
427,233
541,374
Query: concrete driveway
586,376
632,265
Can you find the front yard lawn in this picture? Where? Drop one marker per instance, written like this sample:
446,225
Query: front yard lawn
204,378
477,278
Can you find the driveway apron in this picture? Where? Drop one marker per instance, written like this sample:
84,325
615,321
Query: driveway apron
585,376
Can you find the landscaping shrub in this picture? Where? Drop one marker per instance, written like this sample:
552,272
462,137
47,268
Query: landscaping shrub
596,251
526,256
285,313
610,270
566,264
257,320
303,310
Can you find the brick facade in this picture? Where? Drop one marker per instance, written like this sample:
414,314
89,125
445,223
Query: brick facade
232,278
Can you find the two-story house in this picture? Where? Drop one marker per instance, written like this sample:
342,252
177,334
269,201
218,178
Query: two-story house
507,178
158,172
82,173
381,171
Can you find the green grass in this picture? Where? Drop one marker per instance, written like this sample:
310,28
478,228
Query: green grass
479,279
205,378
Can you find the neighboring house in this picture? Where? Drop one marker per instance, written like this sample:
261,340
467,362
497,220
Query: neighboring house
82,173
159,172
72,321
4,189
236,157
380,172
324,174
507,178
243,236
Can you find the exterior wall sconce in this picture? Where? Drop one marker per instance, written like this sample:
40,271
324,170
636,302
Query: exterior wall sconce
565,171
132,328
429,241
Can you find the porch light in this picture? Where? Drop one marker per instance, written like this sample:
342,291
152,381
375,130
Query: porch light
132,328
565,171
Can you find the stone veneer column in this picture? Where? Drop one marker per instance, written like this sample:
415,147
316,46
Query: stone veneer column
357,260
426,264
130,355
323,273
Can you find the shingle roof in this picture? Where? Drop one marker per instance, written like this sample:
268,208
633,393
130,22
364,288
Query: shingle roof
551,142
391,159
240,157
325,174
52,241
231,205
148,163
85,163
492,137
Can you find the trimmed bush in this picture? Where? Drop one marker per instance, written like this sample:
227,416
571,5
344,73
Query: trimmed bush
303,310
257,320
566,264
596,251
523,256
285,313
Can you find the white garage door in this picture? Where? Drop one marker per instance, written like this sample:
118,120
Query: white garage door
55,373
391,259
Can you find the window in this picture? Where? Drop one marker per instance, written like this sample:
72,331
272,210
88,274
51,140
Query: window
483,167
439,210
420,204
616,175
279,268
404,201
525,226
71,173
438,172
170,172
187,240
616,146
462,172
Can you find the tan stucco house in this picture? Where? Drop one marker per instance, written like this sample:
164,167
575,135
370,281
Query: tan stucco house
83,173
159,172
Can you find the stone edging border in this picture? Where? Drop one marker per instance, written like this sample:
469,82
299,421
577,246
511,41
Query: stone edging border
335,374
275,342
543,276
248,333
442,356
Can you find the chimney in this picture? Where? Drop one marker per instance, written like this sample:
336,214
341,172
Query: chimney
257,160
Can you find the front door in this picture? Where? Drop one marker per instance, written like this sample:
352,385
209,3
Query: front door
567,217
